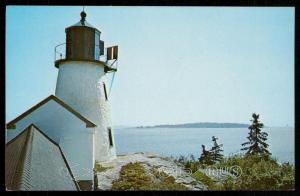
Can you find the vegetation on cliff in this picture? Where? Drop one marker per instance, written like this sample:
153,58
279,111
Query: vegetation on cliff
251,172
254,170
133,176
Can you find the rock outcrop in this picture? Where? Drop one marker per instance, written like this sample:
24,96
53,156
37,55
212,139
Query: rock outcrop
111,170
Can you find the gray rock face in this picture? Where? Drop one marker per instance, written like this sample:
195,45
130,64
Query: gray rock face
148,160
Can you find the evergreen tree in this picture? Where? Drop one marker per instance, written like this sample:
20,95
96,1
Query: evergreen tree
216,150
257,139
205,157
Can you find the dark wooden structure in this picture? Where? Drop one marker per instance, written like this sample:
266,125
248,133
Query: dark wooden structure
83,41
83,44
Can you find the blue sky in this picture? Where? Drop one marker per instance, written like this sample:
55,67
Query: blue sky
176,64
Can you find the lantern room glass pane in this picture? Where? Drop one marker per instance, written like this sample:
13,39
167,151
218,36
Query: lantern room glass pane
97,47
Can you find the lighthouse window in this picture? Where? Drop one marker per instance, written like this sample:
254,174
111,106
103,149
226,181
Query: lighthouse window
110,137
97,46
104,87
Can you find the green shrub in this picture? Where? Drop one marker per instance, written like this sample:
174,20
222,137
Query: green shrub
133,176
210,183
189,163
258,173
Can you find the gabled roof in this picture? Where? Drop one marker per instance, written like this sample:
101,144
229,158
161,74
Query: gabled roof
35,162
11,124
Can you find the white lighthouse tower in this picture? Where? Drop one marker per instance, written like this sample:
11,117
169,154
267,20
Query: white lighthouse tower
80,83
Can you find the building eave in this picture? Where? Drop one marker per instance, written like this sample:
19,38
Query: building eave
12,124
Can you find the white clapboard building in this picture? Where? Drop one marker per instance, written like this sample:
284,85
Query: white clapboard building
75,122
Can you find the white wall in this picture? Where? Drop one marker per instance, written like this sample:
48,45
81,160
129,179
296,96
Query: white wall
78,149
71,133
80,84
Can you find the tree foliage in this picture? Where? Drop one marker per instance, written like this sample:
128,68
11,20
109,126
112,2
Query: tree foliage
216,151
213,155
256,144
206,157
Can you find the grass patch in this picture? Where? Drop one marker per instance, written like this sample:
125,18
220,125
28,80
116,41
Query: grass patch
133,176
166,182
100,168
210,183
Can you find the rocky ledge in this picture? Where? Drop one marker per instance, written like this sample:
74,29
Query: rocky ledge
111,174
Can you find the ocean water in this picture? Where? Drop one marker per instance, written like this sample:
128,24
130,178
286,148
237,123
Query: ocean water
187,141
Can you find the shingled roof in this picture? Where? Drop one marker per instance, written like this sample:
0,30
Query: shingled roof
11,124
35,162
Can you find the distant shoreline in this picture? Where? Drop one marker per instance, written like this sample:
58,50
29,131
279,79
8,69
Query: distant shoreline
196,125
200,125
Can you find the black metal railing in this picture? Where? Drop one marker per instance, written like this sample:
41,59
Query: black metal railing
60,52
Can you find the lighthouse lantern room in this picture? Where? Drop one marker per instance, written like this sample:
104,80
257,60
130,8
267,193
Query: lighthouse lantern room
83,41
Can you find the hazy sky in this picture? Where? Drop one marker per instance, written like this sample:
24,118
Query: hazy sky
176,64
